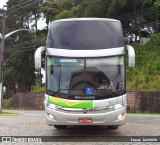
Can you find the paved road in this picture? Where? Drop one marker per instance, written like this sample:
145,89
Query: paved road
32,123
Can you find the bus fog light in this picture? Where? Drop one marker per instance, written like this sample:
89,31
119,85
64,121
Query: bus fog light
50,116
120,116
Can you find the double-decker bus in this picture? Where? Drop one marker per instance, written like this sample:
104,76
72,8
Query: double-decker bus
85,72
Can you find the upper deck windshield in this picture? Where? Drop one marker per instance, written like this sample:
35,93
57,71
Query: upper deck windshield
74,78
85,35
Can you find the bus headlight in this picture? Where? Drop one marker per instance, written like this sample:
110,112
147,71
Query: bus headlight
118,106
49,105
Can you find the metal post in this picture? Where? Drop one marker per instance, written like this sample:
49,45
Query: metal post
2,58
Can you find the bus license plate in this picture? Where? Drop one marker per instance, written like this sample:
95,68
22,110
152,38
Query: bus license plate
85,120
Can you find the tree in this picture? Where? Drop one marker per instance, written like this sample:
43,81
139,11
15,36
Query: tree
136,17
19,71
115,7
157,3
50,9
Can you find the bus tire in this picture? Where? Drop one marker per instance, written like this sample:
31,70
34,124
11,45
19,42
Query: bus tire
60,126
113,127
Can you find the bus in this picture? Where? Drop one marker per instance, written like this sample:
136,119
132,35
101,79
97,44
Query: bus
85,72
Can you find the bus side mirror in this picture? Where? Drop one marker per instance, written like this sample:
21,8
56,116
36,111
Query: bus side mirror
131,56
38,56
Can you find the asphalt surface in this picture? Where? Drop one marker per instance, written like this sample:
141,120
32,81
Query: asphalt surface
32,123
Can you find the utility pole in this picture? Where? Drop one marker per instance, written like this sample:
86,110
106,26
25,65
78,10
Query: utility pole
2,57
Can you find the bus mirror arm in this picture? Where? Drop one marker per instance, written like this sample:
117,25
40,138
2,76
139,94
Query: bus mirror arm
38,56
131,55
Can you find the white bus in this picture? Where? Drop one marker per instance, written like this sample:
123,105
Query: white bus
85,72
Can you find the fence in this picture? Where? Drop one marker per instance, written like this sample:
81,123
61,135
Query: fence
143,101
137,101
25,101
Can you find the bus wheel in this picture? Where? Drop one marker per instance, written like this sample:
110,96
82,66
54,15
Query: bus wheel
114,127
60,126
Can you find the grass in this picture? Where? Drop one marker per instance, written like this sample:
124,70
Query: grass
23,109
147,113
38,89
8,113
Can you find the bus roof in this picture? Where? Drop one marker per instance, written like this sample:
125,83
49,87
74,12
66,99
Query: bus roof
86,19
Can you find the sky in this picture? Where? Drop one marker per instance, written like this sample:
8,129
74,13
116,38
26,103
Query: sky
41,22
2,2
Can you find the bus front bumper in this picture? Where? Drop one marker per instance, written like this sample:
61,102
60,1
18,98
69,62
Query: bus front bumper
59,117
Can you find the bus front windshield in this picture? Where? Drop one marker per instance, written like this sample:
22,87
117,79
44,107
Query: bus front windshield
86,77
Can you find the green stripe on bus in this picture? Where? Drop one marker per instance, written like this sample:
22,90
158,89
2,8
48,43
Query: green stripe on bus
71,103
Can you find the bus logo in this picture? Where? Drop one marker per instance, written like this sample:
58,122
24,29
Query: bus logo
85,110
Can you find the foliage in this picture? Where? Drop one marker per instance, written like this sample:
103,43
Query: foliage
157,3
19,71
50,9
146,74
65,14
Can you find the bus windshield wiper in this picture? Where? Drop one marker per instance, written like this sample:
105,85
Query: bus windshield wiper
56,92
51,92
114,92
104,91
